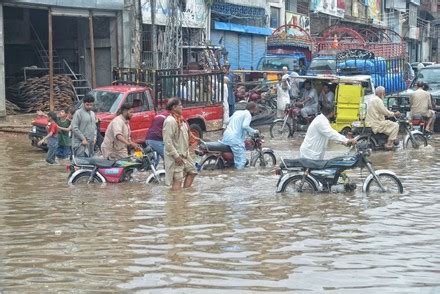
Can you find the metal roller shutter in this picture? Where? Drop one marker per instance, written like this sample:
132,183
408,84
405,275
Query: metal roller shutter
259,49
216,36
231,44
245,53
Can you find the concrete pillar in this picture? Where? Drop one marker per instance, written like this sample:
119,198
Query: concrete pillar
128,24
114,42
2,67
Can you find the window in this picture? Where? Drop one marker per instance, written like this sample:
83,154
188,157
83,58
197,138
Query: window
291,5
274,17
106,101
138,101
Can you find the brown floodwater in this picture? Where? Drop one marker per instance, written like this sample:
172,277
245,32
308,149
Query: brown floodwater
230,233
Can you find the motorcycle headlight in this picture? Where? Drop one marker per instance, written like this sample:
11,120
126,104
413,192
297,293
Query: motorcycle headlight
34,129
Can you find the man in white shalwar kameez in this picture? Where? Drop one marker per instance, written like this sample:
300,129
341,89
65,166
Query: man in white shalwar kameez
318,134
236,131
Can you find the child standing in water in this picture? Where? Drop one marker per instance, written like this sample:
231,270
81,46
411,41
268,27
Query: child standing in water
51,138
64,141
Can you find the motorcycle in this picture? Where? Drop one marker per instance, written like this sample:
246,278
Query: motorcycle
293,121
95,170
330,175
413,138
215,155
419,124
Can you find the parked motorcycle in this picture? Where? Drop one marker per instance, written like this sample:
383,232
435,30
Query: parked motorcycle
293,121
95,170
305,175
413,138
215,155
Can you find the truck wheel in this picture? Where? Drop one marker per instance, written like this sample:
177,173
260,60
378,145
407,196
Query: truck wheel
196,134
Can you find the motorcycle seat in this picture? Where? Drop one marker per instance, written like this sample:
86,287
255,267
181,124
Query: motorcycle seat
217,146
104,163
313,164
303,162
419,117
289,163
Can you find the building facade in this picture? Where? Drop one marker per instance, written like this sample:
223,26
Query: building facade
242,27
26,27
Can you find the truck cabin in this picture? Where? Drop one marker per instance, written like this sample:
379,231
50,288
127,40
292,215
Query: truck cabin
294,62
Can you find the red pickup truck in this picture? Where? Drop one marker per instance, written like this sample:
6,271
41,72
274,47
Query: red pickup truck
200,116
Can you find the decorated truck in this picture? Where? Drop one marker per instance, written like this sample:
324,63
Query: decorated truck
380,53
148,91
289,45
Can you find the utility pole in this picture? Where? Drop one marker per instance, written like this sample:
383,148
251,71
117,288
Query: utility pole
154,34
2,68
50,48
139,36
92,49
172,52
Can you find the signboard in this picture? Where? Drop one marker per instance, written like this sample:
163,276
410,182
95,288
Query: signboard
193,16
412,15
396,4
300,20
331,7
85,4
414,33
355,54
374,10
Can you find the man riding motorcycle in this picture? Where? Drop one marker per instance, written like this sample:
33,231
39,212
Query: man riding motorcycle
235,133
318,134
376,112
420,102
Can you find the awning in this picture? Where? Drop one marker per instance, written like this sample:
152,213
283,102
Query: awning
223,26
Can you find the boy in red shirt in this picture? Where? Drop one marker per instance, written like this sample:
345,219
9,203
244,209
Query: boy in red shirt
52,138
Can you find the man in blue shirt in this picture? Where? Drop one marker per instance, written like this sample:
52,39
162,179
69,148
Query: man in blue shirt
235,133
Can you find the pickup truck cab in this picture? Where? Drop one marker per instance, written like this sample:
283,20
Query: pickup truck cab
108,99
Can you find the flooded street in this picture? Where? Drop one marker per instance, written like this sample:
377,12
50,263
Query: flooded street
231,233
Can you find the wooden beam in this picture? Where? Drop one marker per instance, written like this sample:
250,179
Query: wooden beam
92,50
50,49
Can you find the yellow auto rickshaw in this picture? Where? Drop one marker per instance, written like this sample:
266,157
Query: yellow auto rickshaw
350,94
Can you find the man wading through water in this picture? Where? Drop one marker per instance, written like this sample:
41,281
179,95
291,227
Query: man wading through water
179,166
117,138
84,129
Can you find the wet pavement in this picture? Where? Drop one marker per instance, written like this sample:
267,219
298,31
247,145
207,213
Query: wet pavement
231,233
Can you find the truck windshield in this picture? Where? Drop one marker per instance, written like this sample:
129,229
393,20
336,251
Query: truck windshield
323,65
277,63
106,101
429,76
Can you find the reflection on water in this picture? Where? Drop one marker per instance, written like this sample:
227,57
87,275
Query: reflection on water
230,232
